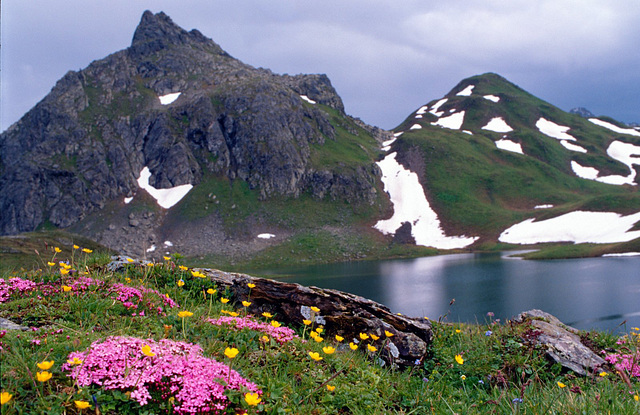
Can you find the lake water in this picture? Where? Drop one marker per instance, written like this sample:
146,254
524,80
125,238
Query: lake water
590,293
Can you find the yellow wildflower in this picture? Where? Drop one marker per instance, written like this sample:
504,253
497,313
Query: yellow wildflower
562,385
231,352
353,346
5,397
182,267
146,350
636,398
43,376
250,285
64,265
75,361
246,303
265,339
183,314
331,388
315,356
388,333
267,315
374,337
371,348
329,349
180,283
233,314
224,300
149,264
363,336
459,359
306,322
315,309
339,338
458,330
76,247
64,271
275,324
166,258
127,279
82,404
66,288
57,250
44,365
319,330
211,291
51,264
313,334
129,259
318,339
87,250
463,377
252,399
603,374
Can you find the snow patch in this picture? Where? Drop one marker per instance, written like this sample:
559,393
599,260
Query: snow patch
415,127
553,130
453,121
418,116
492,98
151,248
398,134
166,198
422,110
615,128
466,92
543,206
411,205
386,145
168,243
127,200
467,132
572,147
576,227
621,254
509,145
169,98
583,172
498,125
436,107
306,98
266,236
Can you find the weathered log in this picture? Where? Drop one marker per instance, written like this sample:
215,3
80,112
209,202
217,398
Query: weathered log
561,343
340,313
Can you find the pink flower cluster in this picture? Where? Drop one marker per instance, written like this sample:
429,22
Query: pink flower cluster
130,297
7,288
626,362
281,334
177,370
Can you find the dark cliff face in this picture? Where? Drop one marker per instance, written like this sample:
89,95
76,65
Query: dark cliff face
87,141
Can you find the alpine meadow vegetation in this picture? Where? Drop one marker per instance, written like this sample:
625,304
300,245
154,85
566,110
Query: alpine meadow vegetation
161,338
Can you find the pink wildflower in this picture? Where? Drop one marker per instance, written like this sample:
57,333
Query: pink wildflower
281,334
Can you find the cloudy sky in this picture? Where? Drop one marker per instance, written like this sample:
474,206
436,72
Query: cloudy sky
385,58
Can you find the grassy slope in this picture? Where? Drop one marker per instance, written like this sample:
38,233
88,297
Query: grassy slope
478,189
500,371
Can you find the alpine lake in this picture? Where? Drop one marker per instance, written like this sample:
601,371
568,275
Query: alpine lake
589,293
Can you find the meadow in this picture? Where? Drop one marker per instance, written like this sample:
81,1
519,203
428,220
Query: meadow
161,338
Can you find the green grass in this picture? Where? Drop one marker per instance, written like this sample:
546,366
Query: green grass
500,371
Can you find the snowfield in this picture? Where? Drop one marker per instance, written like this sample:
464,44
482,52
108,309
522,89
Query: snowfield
509,145
625,153
615,128
411,205
166,198
466,92
576,227
169,98
453,121
553,130
436,107
492,98
572,147
498,125
309,100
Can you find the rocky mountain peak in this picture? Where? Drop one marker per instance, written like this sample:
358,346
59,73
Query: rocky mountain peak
157,31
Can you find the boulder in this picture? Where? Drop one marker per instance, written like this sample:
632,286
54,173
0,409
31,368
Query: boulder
562,343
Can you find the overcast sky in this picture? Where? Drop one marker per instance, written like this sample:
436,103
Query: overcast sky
385,58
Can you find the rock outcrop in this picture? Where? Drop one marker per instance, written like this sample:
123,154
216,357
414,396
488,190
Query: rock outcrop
562,343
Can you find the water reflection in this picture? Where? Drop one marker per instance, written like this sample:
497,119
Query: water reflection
586,293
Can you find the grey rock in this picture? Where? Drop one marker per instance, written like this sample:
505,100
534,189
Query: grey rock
6,324
561,343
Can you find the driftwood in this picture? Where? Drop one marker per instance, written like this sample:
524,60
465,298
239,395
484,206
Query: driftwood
561,343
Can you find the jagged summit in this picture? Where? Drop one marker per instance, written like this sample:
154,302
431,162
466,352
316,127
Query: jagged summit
157,31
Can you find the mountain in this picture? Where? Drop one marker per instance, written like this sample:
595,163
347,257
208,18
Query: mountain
172,145
227,150
490,155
